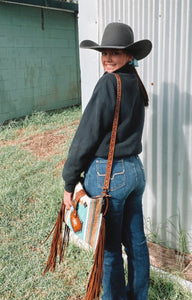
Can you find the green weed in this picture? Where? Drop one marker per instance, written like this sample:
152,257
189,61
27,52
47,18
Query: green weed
162,287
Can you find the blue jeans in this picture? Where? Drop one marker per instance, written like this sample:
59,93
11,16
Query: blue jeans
124,225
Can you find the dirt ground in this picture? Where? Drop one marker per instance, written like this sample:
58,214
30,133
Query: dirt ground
42,144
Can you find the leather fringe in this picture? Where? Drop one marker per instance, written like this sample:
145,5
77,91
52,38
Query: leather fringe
95,279
58,242
65,242
58,245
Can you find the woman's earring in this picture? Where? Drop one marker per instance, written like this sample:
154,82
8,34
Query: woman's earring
134,62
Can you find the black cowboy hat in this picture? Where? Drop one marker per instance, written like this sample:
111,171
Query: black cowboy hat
120,36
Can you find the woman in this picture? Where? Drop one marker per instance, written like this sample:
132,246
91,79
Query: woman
88,153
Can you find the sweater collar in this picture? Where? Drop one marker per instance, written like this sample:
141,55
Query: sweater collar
127,68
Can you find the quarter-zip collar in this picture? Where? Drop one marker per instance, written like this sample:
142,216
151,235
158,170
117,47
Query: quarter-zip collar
127,68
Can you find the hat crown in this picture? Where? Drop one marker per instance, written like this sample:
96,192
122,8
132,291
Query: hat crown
117,34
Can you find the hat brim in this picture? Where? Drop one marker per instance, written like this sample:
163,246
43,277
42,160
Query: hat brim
138,49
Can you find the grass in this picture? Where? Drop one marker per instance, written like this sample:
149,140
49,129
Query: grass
172,227
162,287
31,189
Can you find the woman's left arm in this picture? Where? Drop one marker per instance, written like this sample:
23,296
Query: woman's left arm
95,123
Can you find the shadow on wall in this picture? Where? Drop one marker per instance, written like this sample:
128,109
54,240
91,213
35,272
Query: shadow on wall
171,182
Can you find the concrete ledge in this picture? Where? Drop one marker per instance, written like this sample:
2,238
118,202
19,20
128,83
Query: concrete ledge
51,4
184,283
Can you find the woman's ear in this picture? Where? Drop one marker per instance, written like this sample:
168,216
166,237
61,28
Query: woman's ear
130,57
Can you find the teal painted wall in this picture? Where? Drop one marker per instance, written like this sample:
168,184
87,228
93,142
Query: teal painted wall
39,60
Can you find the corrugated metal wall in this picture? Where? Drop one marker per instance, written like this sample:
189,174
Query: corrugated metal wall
167,74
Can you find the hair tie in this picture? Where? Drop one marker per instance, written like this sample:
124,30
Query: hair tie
134,62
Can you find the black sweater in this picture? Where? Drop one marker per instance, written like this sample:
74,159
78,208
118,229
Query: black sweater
92,137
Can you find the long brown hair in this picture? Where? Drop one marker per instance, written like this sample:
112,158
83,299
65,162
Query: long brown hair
142,87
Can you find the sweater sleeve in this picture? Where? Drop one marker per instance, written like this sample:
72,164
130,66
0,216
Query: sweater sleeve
96,121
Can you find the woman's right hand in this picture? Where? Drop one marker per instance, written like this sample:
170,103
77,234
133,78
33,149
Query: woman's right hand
67,199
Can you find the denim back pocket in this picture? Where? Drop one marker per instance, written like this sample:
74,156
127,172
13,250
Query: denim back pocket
118,179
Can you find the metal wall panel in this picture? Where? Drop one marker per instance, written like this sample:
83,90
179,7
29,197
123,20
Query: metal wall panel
39,60
167,75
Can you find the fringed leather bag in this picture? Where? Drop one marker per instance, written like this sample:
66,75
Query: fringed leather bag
85,216
86,219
